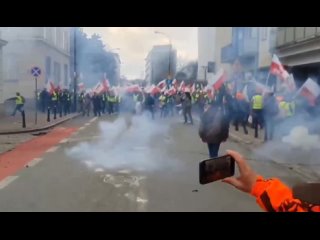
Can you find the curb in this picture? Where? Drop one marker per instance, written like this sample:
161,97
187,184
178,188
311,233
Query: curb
40,128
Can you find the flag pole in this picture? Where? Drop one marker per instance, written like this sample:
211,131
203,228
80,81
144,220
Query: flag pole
267,80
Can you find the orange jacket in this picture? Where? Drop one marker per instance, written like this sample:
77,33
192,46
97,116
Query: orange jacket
274,196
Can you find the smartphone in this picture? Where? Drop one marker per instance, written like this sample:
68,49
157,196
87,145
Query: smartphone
215,169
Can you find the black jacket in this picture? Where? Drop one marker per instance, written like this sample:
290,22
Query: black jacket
214,125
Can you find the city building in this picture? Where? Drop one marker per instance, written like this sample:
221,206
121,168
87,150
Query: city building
298,48
206,52
45,47
2,44
118,68
157,65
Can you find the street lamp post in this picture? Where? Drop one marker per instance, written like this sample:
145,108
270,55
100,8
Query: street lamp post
118,67
75,72
170,49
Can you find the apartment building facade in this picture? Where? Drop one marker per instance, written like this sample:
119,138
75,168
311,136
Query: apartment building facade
45,47
2,44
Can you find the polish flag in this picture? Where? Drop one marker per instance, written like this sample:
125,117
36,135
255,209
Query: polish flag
134,88
219,79
153,89
310,90
175,83
162,84
105,83
172,91
50,87
193,88
81,86
291,84
182,86
98,88
277,69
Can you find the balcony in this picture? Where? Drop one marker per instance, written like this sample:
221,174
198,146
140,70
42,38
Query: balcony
228,54
287,36
248,47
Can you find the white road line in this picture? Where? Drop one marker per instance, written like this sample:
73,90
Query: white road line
87,124
64,140
52,149
93,119
5,182
34,162
81,128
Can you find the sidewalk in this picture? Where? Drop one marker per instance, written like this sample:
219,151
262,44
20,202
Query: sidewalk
12,125
304,162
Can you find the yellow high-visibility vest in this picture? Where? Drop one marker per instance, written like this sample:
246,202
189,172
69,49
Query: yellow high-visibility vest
257,102
111,99
54,97
19,100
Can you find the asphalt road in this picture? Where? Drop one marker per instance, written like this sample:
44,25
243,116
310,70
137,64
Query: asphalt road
104,165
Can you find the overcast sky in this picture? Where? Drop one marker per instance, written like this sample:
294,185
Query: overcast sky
136,42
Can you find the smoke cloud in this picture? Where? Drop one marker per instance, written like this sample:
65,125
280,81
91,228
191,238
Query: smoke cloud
126,148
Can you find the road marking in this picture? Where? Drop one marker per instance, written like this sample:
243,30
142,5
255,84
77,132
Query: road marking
34,162
93,119
124,171
99,170
87,124
52,149
81,128
64,140
5,182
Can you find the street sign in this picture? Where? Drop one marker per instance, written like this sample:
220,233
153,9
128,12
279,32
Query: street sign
35,71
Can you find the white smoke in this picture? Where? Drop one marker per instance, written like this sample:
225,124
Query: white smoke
297,141
120,147
299,137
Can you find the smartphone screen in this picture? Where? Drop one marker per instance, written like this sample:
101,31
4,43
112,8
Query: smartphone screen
215,169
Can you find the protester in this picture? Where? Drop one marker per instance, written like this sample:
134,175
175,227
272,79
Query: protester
214,127
187,107
20,100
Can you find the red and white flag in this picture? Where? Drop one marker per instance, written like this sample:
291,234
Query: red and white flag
161,84
291,85
219,79
98,88
172,91
310,90
277,69
193,88
175,84
153,89
105,83
50,87
81,87
133,88
182,86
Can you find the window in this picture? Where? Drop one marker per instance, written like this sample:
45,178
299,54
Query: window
48,68
254,32
55,36
264,33
57,73
66,75
44,32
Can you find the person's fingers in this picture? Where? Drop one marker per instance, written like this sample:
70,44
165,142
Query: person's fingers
241,162
232,181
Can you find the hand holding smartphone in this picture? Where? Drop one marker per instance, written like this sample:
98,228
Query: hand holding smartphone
215,169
